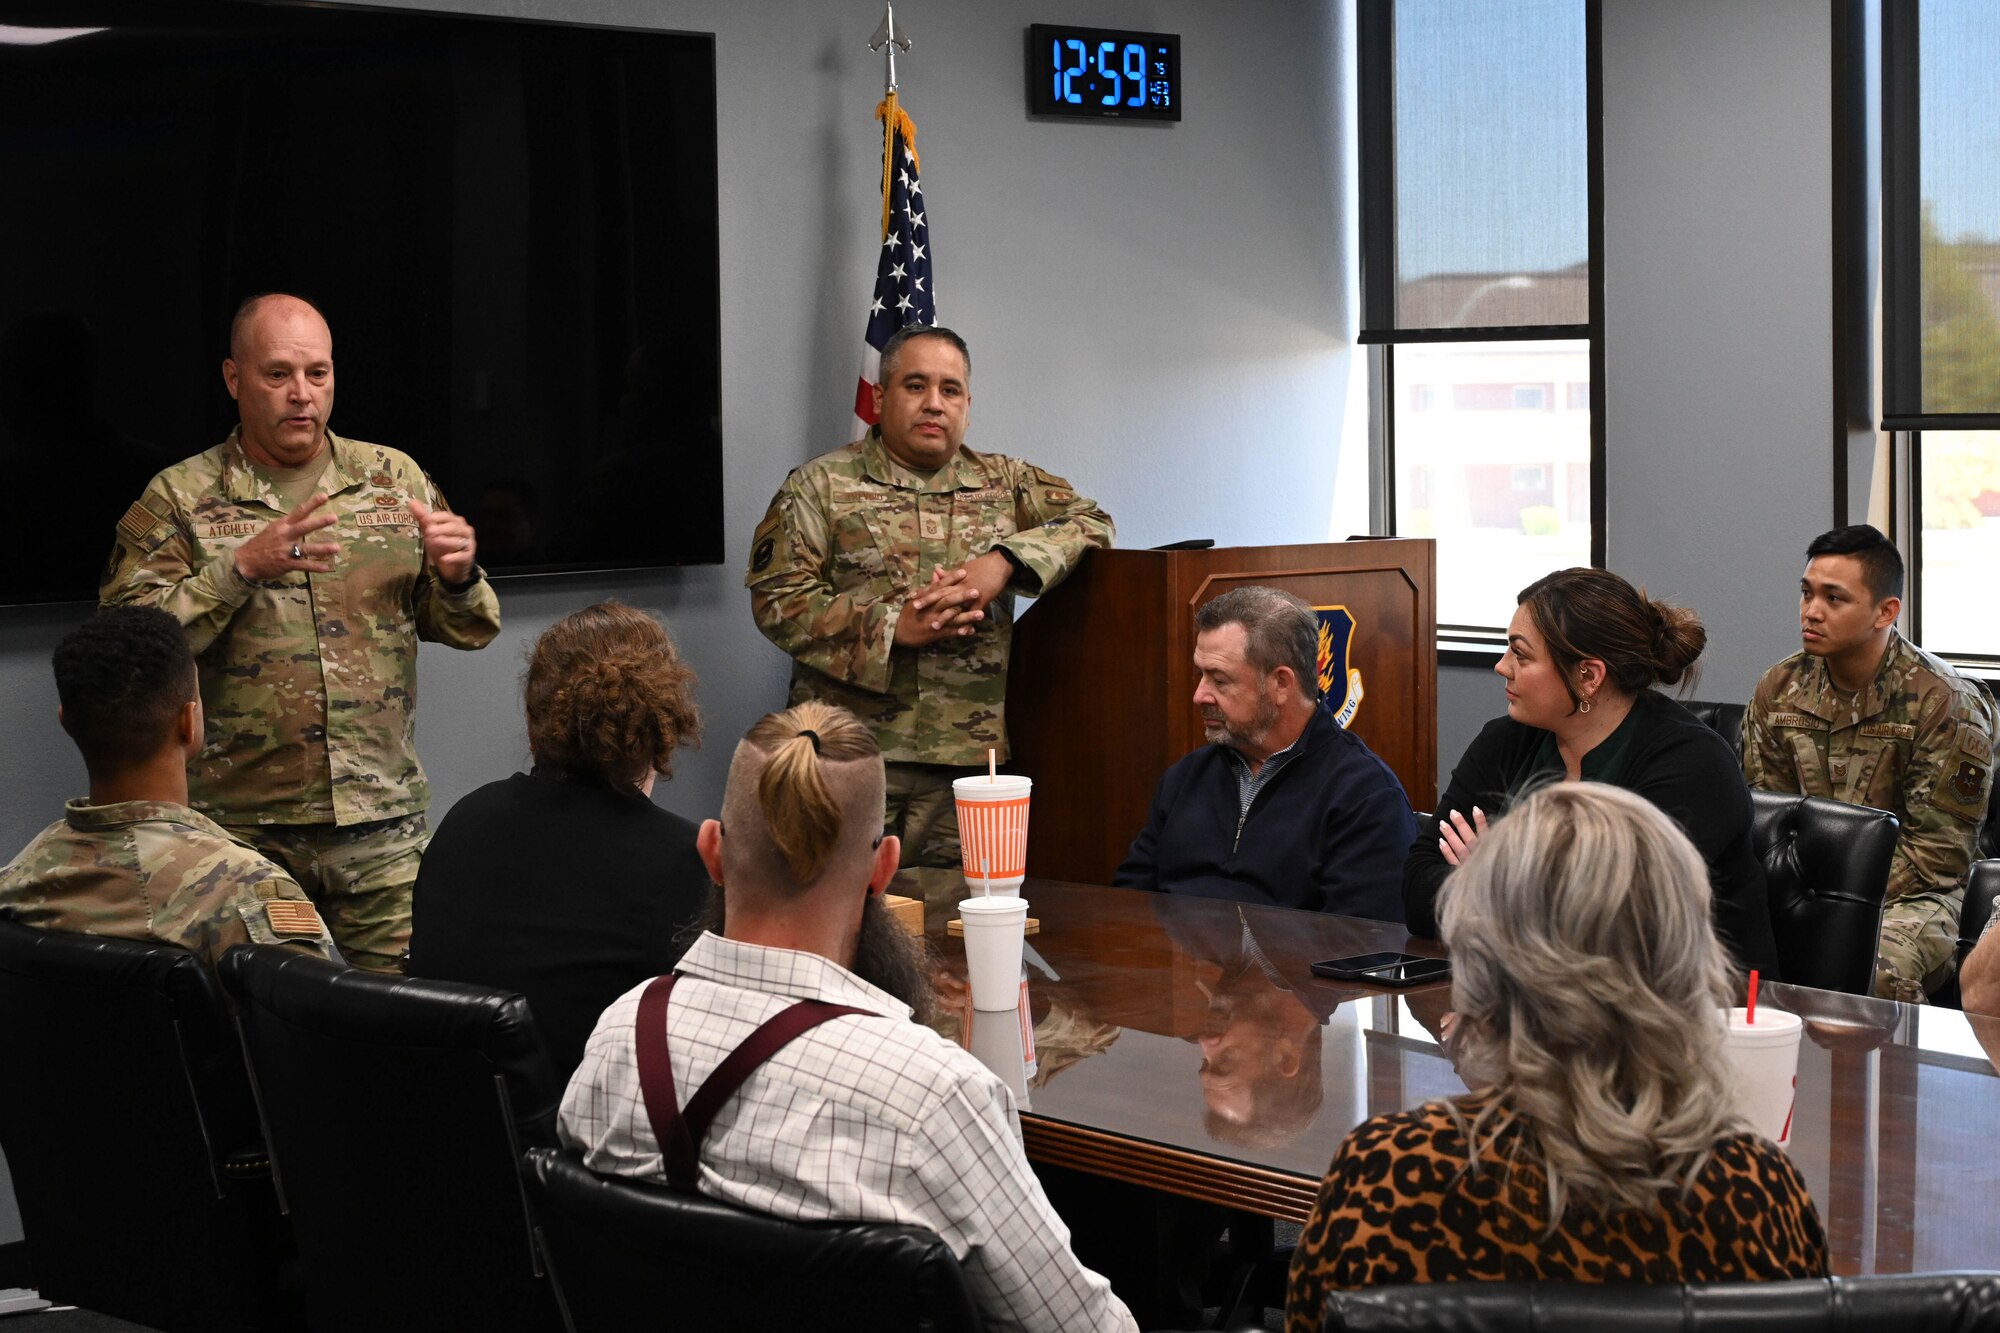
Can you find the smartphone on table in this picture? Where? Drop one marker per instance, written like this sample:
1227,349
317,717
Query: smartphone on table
1384,969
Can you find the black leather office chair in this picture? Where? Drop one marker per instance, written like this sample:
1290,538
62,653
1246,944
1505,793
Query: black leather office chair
396,1112
629,1255
1986,845
1982,886
142,1180
1827,864
1727,719
1933,1302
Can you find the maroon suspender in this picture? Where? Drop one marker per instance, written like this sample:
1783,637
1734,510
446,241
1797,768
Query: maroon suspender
680,1133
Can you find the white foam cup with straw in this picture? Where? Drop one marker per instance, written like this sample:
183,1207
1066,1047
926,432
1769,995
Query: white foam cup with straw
995,928
993,828
1762,1049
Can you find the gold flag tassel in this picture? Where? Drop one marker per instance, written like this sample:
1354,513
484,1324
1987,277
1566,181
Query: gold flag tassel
893,118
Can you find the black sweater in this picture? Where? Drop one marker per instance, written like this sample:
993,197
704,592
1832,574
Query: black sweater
1671,758
1326,833
566,891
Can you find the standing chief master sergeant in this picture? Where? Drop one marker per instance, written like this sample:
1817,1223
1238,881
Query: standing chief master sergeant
1864,716
887,570
307,648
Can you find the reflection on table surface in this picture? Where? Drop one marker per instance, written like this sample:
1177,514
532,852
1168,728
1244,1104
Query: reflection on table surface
1183,1043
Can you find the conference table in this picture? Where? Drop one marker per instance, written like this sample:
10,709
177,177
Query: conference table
1183,1044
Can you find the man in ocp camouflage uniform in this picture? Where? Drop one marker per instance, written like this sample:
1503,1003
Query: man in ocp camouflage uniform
308,646
132,861
1864,716
888,568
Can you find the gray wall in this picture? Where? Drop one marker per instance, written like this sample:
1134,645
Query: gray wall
1718,379
1156,311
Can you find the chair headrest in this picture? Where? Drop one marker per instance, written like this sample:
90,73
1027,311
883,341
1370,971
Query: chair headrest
70,959
317,995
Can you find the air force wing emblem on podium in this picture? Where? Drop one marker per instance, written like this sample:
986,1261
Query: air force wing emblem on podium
1339,684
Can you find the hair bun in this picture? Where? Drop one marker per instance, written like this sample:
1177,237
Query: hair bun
1678,640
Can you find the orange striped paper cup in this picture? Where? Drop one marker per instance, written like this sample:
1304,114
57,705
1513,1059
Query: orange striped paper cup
993,830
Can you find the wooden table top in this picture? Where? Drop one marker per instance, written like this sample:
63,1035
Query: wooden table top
1183,1044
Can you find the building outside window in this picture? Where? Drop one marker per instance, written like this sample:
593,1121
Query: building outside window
1941,312
1479,236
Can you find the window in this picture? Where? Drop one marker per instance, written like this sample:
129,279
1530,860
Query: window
1479,232
1941,308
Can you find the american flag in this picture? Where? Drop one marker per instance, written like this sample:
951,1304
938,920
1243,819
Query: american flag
903,292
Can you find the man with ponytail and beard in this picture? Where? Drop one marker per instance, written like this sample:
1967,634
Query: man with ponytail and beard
847,1108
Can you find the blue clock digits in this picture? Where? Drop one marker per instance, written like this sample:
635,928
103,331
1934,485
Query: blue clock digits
1117,93
1065,73
1132,58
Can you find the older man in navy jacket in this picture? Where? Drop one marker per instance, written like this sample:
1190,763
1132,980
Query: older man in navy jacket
1284,805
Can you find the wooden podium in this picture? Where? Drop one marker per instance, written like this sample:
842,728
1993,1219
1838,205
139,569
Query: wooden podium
1100,690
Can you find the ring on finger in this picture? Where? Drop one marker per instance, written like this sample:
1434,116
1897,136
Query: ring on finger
297,552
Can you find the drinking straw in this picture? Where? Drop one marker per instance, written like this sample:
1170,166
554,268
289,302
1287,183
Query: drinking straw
1751,1016
992,765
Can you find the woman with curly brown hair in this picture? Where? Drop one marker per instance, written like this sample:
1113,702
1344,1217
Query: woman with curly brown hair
567,883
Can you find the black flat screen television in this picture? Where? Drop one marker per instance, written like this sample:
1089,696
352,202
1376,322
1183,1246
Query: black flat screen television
511,227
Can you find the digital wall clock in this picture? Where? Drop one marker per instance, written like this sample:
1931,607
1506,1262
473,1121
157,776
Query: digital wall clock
1108,72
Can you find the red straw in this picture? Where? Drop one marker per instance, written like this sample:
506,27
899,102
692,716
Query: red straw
1751,1017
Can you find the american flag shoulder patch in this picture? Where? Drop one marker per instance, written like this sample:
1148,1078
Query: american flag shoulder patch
289,916
139,522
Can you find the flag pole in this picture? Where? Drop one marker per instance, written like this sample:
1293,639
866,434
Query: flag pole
887,39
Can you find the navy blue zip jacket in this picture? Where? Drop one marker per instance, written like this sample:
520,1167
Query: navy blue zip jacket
1327,833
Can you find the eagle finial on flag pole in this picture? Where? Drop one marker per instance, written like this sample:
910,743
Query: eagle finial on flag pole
888,38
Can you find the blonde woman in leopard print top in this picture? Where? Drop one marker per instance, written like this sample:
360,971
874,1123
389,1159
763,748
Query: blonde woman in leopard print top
1600,1144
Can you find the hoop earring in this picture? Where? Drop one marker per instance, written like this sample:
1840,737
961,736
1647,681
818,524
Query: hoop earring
1583,705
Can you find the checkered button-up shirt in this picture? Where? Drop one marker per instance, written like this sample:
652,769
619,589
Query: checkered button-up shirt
870,1117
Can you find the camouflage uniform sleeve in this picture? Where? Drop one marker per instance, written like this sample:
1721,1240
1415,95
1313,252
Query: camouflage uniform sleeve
152,565
847,634
1767,766
224,902
1056,526
466,619
1945,788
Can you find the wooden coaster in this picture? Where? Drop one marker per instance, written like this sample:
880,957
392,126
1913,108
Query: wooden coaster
908,911
956,926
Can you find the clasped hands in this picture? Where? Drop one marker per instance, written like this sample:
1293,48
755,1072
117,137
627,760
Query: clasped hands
954,602
280,547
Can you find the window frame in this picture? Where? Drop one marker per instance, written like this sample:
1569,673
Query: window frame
1902,232
1900,350
1375,138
